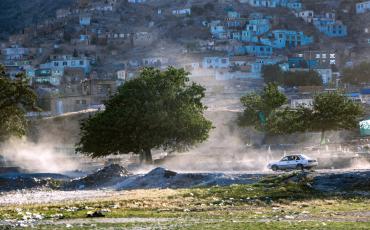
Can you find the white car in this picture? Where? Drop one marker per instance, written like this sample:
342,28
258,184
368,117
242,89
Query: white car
294,162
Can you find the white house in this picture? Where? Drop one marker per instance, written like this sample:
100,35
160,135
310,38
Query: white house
66,61
326,75
186,11
216,62
362,7
15,52
301,102
136,1
306,15
155,61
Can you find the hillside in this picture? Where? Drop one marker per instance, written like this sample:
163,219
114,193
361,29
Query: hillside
17,14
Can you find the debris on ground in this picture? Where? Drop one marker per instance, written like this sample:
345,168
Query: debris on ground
164,178
95,214
342,182
103,177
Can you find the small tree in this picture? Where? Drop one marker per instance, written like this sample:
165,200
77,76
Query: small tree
333,111
157,110
16,97
330,111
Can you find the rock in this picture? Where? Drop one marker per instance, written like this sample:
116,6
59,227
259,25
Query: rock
162,172
95,214
100,178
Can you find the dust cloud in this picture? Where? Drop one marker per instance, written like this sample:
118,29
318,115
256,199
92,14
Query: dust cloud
37,156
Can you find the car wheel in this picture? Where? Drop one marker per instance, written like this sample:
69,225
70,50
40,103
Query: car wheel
274,168
300,167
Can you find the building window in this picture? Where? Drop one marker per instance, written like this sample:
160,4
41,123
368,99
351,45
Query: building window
81,62
65,63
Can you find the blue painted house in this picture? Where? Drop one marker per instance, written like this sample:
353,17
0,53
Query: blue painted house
219,32
294,5
255,28
281,39
234,20
253,50
291,4
330,27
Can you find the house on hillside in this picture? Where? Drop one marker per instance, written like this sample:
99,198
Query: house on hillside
306,15
67,61
281,39
216,62
15,52
181,12
262,3
253,50
85,20
219,31
362,7
330,27
255,28
136,1
47,76
234,21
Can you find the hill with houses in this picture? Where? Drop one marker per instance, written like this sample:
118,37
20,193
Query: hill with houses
77,52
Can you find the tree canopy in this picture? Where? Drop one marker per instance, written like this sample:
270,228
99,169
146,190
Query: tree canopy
260,108
330,111
16,98
274,74
156,110
333,111
357,75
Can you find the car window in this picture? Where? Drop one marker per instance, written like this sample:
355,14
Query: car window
284,159
290,158
297,158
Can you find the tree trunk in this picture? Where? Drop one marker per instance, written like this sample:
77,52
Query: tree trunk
146,157
323,141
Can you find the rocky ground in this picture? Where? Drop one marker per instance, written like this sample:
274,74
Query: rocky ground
163,199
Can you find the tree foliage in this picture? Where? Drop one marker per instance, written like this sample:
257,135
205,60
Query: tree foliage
157,110
333,111
357,75
273,73
16,97
330,111
260,108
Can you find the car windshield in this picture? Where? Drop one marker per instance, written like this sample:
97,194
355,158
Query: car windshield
305,157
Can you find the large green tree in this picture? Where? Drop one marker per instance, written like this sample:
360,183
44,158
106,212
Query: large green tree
259,108
16,98
156,110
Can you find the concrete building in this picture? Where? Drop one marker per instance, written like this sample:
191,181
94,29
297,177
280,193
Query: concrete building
216,62
362,7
